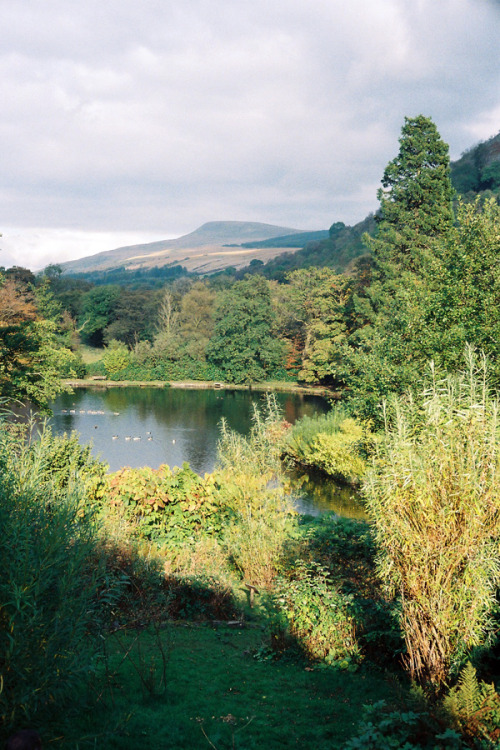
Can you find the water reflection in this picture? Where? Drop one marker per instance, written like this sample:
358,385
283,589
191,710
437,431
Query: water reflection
316,494
153,426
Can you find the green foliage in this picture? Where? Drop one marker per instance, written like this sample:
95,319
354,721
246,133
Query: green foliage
386,339
116,358
319,615
315,299
334,443
244,346
166,505
30,354
61,463
416,197
462,303
51,590
434,502
97,312
475,708
407,729
346,548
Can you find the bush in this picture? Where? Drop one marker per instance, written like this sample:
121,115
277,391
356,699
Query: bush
434,502
319,616
334,443
116,358
49,588
165,505
407,729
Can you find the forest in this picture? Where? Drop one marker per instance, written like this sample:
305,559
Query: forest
399,614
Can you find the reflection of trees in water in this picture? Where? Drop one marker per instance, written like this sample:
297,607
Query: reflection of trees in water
322,494
191,417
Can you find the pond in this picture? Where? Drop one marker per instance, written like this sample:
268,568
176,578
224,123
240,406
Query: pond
136,426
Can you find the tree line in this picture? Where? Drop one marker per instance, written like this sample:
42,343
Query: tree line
427,284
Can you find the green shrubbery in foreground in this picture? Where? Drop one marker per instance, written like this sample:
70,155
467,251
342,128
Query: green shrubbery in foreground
85,555
52,589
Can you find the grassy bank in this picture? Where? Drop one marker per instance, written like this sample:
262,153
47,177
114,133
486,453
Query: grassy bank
261,387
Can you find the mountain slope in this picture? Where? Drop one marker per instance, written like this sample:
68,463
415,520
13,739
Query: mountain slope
209,248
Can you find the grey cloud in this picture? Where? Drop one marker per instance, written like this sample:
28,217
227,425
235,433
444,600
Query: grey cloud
158,116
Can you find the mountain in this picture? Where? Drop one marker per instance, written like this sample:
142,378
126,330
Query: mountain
218,245
209,248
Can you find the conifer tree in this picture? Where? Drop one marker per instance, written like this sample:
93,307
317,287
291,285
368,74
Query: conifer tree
415,200
386,348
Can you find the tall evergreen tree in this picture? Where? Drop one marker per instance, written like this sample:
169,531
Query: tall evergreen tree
415,198
385,348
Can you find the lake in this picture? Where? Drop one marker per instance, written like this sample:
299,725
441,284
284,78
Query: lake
137,426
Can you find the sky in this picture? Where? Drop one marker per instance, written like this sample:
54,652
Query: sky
125,122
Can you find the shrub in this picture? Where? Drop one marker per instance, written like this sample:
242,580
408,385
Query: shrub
167,505
407,729
434,502
319,616
334,443
116,358
49,587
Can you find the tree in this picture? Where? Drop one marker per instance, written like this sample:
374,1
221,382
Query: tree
387,343
97,313
30,357
415,198
244,346
463,300
315,300
196,320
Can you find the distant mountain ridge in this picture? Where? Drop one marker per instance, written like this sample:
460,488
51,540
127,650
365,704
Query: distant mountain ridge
217,245
211,247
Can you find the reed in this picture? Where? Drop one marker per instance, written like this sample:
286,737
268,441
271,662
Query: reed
434,502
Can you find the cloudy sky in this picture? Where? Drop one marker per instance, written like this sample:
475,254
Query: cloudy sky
125,122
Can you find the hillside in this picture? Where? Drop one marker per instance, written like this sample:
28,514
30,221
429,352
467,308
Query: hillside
209,248
218,245
478,169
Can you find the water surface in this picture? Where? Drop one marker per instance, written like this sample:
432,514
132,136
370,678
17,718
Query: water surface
137,427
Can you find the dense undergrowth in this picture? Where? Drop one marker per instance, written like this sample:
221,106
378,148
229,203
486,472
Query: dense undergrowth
104,576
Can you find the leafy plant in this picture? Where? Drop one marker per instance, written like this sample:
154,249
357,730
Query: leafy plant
335,443
167,505
475,707
408,729
319,616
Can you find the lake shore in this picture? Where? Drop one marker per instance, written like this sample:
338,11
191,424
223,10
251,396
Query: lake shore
267,386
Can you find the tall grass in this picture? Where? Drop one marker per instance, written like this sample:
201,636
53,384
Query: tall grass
51,589
262,514
434,501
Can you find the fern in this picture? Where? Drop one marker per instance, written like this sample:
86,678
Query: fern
474,706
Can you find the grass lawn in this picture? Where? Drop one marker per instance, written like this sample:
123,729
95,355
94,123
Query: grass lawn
90,354
219,696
